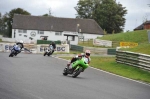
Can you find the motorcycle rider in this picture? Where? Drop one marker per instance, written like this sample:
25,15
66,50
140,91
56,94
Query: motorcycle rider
54,46
20,44
75,61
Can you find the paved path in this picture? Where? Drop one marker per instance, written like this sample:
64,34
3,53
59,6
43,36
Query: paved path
33,76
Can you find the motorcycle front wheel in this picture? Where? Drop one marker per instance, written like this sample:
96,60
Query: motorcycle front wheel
11,54
65,72
49,54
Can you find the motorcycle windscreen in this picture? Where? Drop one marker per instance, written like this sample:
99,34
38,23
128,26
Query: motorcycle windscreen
17,48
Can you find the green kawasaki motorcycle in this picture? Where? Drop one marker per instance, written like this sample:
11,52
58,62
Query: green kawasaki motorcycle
81,65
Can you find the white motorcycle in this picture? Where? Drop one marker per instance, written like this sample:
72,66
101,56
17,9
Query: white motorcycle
48,52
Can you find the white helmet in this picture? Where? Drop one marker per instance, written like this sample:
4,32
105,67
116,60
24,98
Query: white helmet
87,52
21,41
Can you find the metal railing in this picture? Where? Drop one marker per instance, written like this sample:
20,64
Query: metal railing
133,59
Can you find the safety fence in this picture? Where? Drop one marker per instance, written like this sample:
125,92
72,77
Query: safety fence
133,59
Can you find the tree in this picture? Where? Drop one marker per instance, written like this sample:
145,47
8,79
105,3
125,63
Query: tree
1,24
8,18
50,13
47,15
107,13
84,9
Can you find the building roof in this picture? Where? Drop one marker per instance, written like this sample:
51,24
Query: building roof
141,27
45,23
147,22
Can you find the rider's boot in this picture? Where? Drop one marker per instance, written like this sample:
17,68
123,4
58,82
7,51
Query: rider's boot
71,69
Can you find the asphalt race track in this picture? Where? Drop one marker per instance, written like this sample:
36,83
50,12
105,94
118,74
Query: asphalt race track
33,76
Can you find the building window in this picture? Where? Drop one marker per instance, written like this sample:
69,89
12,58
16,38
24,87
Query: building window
22,31
19,31
40,32
71,38
20,34
58,33
25,35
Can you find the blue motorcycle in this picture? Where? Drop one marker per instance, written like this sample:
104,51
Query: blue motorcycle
15,50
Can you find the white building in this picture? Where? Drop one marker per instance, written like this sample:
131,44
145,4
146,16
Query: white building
26,27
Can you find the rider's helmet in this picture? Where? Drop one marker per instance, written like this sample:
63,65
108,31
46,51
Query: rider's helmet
21,41
87,52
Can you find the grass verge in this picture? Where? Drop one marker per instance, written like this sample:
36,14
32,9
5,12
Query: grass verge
108,64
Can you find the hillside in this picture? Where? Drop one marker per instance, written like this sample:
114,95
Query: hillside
140,37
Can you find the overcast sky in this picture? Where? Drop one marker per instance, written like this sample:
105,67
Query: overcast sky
138,10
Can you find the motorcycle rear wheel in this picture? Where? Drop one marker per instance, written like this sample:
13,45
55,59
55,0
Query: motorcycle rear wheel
45,53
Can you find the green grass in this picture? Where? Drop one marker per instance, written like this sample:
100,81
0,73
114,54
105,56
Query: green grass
143,48
134,36
109,64
140,37
0,40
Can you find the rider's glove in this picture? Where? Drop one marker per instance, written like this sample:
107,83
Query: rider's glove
68,64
